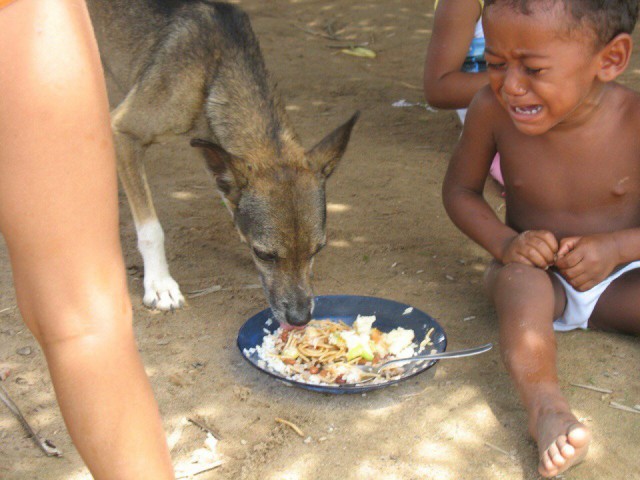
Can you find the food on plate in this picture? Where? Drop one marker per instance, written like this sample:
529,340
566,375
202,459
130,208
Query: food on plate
327,352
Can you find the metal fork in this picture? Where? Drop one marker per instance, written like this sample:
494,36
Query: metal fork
375,369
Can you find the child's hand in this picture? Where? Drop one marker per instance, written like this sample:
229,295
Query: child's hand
532,247
586,261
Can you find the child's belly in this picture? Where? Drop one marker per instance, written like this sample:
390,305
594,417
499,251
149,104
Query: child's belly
578,213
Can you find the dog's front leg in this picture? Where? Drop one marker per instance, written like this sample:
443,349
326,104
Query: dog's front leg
161,291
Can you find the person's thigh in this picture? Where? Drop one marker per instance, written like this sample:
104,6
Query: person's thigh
618,308
58,184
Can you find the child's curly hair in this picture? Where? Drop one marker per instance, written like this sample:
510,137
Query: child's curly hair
606,18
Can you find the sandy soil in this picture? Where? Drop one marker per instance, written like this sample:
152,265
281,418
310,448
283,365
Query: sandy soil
389,237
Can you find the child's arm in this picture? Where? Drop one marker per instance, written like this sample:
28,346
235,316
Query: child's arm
464,184
587,261
445,86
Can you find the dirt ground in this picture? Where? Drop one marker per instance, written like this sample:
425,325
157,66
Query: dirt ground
388,236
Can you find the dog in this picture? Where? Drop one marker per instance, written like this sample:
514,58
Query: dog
193,69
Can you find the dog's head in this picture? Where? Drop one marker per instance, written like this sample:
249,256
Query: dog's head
278,206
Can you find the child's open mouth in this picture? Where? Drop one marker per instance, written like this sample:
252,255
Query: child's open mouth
527,109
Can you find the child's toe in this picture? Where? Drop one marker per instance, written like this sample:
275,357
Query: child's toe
578,436
566,449
547,467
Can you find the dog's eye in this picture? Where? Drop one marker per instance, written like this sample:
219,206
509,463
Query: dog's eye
265,256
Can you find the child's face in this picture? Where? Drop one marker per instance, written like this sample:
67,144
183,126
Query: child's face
543,76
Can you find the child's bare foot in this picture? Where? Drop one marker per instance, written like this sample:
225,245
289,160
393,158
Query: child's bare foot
562,442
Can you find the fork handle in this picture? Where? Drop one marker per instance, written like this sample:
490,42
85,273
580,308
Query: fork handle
439,356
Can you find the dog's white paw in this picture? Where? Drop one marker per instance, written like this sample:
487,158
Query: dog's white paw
162,294
161,291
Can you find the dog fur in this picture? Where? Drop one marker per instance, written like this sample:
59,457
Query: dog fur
193,69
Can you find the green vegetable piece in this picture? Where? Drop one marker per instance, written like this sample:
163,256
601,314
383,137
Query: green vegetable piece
360,350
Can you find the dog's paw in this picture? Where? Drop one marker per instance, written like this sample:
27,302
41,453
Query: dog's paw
162,294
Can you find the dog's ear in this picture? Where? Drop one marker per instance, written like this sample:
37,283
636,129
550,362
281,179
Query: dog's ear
328,152
224,166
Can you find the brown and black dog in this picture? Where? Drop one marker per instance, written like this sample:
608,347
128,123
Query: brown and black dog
193,68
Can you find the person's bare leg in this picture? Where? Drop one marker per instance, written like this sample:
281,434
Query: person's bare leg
527,300
59,217
618,309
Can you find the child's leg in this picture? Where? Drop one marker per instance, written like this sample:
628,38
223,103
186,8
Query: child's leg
527,299
618,309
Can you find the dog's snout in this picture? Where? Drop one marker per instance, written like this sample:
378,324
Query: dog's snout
297,313
298,318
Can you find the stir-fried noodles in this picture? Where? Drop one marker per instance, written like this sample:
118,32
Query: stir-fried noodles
327,352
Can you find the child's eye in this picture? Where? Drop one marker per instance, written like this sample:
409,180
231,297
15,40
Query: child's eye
495,66
532,71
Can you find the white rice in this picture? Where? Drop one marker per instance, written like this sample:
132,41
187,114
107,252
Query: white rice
267,359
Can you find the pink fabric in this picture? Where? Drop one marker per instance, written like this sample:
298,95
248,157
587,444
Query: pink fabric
495,171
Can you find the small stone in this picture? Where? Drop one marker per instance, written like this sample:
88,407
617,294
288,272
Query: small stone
243,442
322,439
449,277
25,351
394,264
470,317
307,440
163,342
179,380
4,373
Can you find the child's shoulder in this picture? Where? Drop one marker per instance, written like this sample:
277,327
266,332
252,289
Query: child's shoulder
626,93
486,105
625,101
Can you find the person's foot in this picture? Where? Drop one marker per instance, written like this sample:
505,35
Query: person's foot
562,442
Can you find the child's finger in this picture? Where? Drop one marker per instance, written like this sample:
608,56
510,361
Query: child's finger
539,247
537,258
582,282
549,239
569,260
521,259
566,245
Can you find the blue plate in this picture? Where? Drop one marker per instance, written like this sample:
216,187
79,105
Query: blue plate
389,315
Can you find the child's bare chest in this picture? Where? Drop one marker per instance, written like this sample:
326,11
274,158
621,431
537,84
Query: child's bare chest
584,184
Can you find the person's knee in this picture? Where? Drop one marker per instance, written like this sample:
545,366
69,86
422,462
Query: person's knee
514,276
93,323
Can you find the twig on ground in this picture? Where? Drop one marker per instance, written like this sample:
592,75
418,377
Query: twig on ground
205,428
198,471
350,45
619,406
328,36
204,291
46,446
498,449
589,387
218,288
293,426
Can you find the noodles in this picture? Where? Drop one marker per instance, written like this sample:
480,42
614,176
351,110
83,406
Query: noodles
327,352
315,343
